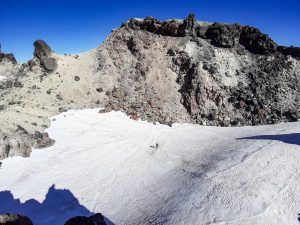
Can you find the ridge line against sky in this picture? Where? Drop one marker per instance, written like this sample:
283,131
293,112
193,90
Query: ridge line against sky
77,26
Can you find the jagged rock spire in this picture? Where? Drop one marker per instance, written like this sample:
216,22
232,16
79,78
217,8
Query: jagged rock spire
42,52
189,25
41,48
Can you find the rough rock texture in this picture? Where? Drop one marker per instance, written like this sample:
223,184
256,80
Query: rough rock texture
13,219
257,42
216,86
292,51
96,219
166,71
7,57
224,35
43,52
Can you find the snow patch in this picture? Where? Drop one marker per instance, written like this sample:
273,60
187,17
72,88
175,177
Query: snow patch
136,172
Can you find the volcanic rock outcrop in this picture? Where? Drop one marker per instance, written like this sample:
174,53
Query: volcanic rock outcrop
96,219
167,71
43,53
14,219
8,57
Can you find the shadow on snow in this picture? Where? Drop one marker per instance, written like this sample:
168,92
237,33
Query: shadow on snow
293,138
58,206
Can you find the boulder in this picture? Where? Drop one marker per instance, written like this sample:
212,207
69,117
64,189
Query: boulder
224,35
14,219
43,52
169,28
151,24
96,219
134,24
257,42
7,57
41,48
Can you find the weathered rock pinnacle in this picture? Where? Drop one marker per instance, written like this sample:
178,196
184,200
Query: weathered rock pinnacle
43,52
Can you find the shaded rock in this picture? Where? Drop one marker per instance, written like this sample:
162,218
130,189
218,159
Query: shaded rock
292,51
151,24
96,219
14,219
257,42
41,48
133,46
43,52
134,116
118,93
7,57
42,139
99,90
170,28
224,35
134,24
188,26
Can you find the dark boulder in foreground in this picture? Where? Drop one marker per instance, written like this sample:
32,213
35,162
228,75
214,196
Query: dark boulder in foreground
96,219
14,219
43,52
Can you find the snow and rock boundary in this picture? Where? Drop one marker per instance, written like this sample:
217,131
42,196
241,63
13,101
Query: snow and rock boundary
167,71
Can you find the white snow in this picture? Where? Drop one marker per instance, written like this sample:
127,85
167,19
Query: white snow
2,77
135,172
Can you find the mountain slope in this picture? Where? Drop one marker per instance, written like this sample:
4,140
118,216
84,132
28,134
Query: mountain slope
169,71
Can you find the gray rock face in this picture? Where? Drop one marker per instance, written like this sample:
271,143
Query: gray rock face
228,86
43,52
96,219
14,219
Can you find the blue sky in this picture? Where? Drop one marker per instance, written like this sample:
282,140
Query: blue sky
73,26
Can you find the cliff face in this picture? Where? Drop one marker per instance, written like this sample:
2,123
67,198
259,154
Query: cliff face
211,74
167,71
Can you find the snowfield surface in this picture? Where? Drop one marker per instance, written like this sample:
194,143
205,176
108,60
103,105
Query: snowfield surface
2,78
135,172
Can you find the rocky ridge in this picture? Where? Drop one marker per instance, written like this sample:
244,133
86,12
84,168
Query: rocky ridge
167,71
15,219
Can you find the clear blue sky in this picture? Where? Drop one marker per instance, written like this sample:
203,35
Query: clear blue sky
74,26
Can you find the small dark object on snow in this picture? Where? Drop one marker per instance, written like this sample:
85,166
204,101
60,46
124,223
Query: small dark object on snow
156,145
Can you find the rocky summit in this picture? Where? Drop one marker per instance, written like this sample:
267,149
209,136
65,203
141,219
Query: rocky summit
161,71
